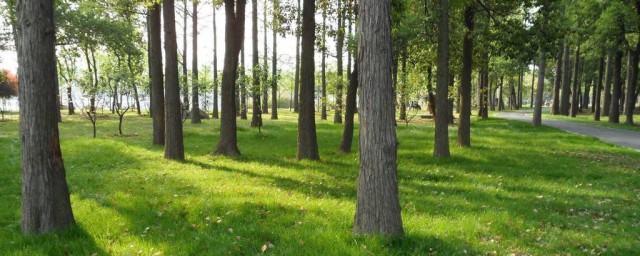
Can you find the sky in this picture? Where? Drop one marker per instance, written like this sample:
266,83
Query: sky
286,48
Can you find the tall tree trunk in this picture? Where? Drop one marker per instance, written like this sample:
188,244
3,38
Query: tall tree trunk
537,112
614,110
403,86
512,95
464,126
195,94
215,66
265,68
323,65
632,83
520,86
378,205
576,84
296,88
45,194
555,105
234,37
441,144
157,89
607,83
587,88
598,91
307,140
566,81
337,117
500,99
243,86
256,116
533,82
347,133
185,74
174,148
274,63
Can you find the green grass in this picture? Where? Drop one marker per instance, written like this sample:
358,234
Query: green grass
520,190
587,118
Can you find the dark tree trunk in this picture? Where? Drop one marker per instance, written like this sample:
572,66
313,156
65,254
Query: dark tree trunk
500,100
174,148
234,37
441,143
155,64
403,86
337,117
265,68
607,83
243,86
512,95
533,82
274,64
347,133
215,66
464,126
185,73
537,112
307,140
256,116
520,85
378,205
575,108
45,195
555,105
195,94
566,81
632,83
296,88
598,91
71,108
614,110
323,66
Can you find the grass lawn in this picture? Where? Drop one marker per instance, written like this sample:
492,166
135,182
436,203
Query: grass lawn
587,118
520,190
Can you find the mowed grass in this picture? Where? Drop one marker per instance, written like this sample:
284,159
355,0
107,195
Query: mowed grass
587,118
520,190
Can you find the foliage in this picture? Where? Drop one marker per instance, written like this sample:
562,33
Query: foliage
8,84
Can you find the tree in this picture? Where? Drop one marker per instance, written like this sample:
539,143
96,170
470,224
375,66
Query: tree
234,37
337,117
598,90
441,144
256,116
378,205
155,73
265,68
297,73
566,77
576,84
537,112
323,63
307,140
347,132
215,63
174,148
195,106
464,127
185,72
45,195
555,105
274,61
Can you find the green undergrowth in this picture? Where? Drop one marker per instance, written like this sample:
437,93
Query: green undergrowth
519,190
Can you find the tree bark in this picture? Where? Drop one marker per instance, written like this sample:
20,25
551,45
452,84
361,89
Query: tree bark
155,58
537,112
185,73
243,86
598,91
274,63
464,125
500,100
45,195
234,37
215,66
614,110
174,148
575,108
441,143
337,117
555,105
607,83
632,83
296,107
566,81
347,133
378,206
265,68
256,116
323,66
195,94
403,86
307,140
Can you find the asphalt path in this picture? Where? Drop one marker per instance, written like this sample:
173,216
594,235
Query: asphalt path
623,138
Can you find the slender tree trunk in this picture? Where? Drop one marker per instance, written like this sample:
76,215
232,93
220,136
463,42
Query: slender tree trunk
500,99
234,37
576,84
598,91
537,112
566,81
378,205
607,84
347,133
195,94
45,194
403,86
533,82
441,144
185,73
274,63
215,66
632,83
155,59
243,86
614,109
296,89
174,148
265,68
323,65
256,116
520,86
133,85
555,105
464,126
337,117
307,140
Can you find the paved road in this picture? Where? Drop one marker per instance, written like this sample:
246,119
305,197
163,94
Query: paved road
623,138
